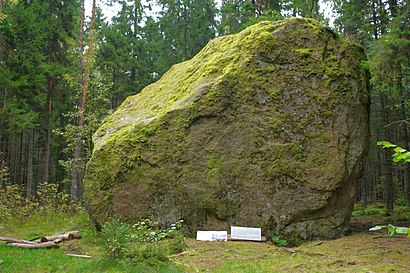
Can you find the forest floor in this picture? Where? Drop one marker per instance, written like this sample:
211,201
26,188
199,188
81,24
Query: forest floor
360,251
356,253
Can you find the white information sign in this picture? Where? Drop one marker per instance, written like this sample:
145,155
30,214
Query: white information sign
212,235
246,233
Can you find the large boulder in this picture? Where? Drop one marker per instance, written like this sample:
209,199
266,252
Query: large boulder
266,128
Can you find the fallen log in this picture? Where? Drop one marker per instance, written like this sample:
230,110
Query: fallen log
35,245
42,242
14,240
60,236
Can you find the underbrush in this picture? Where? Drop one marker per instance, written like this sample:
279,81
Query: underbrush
115,249
16,207
378,211
366,217
145,242
119,247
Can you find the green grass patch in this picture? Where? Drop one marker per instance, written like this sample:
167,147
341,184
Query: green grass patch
56,259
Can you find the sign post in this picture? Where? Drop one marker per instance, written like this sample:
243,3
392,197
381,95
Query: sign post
246,233
212,235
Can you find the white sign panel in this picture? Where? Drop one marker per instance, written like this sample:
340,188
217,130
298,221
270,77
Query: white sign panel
246,233
212,235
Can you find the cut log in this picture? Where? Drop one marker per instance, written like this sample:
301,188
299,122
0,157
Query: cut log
35,245
14,240
42,242
60,237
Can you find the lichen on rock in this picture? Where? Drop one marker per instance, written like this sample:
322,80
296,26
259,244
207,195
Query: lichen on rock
265,128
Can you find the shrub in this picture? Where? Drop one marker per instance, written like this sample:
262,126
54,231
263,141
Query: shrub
15,206
278,241
145,241
12,204
150,253
150,231
113,237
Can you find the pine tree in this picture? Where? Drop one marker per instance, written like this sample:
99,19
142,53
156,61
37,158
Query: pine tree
34,38
187,26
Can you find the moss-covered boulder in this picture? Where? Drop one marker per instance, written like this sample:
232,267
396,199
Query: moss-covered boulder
265,128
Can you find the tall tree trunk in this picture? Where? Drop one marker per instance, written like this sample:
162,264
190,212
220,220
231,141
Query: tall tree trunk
85,70
389,186
48,133
75,179
185,33
30,181
393,7
21,159
375,22
406,131
312,8
3,169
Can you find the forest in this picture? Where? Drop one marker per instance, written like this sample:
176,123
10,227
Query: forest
66,65
62,72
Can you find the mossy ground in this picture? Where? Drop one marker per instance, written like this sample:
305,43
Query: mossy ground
357,253
360,251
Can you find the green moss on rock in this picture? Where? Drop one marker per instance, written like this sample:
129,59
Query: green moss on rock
248,132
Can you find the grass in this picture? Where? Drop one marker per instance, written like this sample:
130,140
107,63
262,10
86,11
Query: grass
56,260
360,252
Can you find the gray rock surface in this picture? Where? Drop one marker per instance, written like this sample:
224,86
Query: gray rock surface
266,128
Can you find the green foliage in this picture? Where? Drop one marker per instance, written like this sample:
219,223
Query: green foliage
391,230
236,15
4,172
14,206
378,213
3,3
148,253
400,155
145,241
278,241
113,237
150,231
368,211
56,259
98,107
187,27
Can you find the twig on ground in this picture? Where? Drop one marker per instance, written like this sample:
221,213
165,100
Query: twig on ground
79,256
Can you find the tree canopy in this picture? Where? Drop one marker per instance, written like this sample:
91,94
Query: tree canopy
40,60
